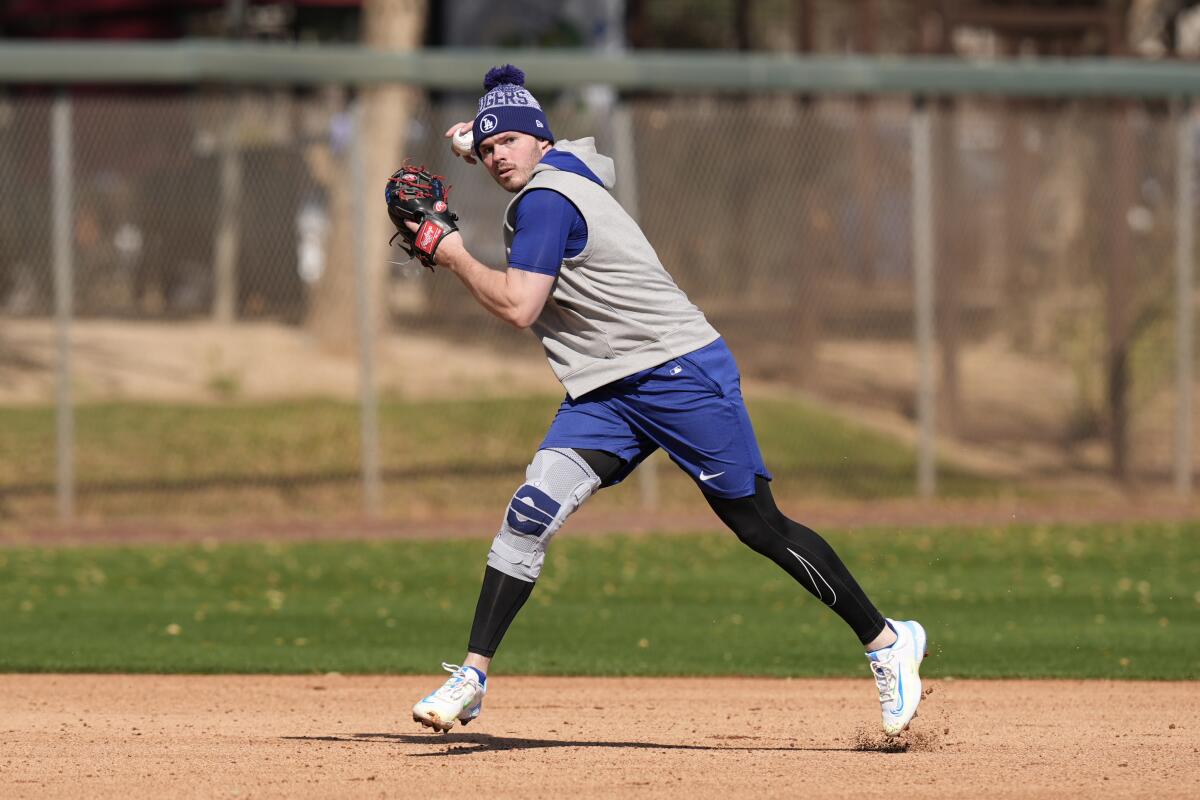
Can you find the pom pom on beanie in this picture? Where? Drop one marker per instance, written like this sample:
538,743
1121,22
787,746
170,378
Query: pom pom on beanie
506,74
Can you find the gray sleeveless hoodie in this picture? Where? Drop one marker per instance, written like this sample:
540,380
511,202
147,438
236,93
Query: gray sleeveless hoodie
614,310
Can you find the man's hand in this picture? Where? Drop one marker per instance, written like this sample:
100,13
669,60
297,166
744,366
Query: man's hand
449,134
449,249
416,203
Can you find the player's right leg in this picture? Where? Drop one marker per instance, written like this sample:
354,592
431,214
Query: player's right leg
894,648
557,482
692,407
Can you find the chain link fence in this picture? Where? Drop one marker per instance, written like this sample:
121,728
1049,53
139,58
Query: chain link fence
213,335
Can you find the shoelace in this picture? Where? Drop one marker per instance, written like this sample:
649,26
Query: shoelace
885,679
456,684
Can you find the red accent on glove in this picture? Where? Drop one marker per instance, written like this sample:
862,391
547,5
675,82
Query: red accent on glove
427,236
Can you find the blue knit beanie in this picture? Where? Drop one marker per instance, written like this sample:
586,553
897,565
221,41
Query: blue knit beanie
508,106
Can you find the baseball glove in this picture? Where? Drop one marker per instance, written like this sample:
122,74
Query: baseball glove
414,194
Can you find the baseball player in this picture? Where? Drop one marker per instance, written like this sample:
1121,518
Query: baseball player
642,368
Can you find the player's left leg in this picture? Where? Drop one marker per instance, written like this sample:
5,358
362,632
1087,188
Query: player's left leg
557,482
588,446
569,477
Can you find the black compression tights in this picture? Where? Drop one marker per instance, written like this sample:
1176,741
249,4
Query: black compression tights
802,553
756,520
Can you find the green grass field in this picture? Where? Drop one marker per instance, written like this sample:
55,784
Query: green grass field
301,458
1089,602
307,450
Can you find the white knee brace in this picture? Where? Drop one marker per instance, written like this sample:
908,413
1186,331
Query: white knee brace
556,483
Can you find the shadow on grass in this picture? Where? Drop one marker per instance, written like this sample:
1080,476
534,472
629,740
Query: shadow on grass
468,743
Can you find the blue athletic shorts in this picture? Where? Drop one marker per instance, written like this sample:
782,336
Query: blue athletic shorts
691,407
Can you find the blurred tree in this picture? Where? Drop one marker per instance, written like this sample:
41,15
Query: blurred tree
385,121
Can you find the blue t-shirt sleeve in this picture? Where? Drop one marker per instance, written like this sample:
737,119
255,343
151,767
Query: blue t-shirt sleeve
548,229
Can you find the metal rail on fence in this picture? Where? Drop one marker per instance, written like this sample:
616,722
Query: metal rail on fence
56,62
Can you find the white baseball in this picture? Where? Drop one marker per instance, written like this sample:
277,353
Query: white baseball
462,142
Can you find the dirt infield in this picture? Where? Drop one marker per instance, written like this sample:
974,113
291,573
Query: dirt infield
339,736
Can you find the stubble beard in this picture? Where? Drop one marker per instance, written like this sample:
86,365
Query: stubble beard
507,184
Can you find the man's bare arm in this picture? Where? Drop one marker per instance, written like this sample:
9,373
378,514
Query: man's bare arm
514,295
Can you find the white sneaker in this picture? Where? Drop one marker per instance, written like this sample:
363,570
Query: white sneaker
898,677
460,699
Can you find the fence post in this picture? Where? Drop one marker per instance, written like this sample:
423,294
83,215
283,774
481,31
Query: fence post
368,402
229,212
64,291
1184,269
923,267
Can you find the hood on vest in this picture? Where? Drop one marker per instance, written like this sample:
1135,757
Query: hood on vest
580,157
